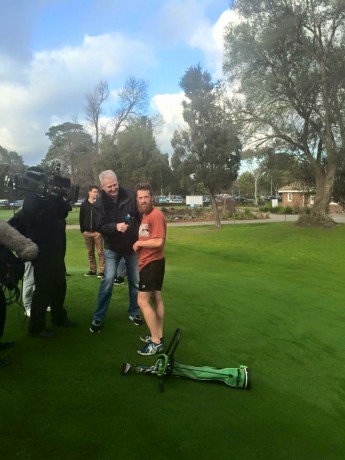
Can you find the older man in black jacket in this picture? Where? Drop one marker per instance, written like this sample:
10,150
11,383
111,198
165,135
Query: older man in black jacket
118,222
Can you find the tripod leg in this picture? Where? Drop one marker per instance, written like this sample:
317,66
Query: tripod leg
166,361
174,343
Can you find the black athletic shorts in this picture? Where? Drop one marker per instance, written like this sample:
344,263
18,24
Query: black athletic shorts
152,276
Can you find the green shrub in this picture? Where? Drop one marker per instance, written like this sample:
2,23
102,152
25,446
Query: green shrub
276,210
287,210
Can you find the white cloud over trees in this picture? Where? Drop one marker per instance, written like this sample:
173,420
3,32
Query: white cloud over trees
49,86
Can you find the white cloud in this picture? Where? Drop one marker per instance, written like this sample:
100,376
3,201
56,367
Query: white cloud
176,17
105,56
51,88
210,39
169,105
10,69
56,85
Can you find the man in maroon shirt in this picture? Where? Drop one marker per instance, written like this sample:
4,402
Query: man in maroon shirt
150,246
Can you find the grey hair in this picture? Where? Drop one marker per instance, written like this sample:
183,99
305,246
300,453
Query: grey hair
106,173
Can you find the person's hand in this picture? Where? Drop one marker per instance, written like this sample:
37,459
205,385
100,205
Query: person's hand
121,227
136,246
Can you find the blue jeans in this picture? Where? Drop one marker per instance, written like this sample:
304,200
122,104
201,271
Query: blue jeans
112,260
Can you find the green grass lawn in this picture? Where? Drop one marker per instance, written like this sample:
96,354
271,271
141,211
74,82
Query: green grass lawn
270,296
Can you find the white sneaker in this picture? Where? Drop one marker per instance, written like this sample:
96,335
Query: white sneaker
48,309
27,312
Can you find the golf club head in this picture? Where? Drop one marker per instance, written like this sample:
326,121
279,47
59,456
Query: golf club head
247,378
126,367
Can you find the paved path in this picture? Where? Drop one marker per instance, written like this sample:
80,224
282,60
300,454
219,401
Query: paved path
339,218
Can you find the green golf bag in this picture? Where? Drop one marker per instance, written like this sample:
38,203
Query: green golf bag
233,377
166,366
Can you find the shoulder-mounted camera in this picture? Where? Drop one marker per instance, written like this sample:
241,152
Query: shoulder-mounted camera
44,184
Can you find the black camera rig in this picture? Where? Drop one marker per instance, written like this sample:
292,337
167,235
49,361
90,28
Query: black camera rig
42,183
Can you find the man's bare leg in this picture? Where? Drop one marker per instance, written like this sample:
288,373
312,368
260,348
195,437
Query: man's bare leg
150,315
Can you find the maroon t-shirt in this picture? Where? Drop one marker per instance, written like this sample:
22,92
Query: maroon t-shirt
153,225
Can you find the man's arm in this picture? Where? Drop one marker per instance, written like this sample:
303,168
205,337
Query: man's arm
108,228
18,222
81,218
152,243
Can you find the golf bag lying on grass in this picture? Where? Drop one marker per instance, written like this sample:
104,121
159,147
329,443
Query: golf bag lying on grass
166,366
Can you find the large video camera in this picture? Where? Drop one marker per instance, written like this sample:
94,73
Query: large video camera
44,184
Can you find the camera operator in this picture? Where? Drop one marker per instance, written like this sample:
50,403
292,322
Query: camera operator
43,215
62,224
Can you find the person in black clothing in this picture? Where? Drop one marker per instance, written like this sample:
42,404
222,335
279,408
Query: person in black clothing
25,249
118,221
9,344
18,222
62,226
93,239
43,216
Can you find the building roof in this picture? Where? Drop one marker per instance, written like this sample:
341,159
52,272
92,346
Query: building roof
296,188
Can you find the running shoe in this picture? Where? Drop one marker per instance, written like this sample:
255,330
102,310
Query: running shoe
96,326
151,349
136,320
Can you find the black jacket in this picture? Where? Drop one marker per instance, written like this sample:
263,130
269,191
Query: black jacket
110,213
44,219
87,217
18,222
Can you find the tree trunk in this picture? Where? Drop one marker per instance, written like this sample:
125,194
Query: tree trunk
256,190
324,187
319,212
215,212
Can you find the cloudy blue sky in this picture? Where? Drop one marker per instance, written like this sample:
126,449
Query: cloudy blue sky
54,52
